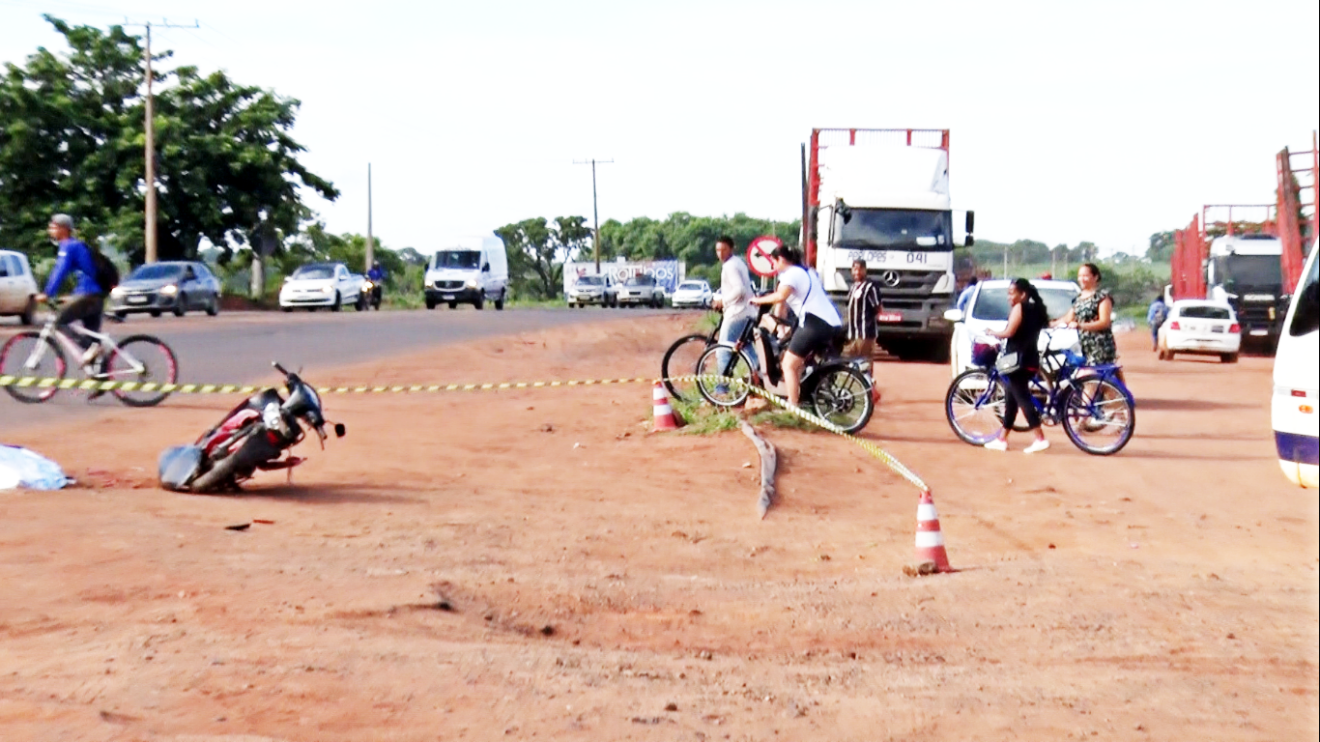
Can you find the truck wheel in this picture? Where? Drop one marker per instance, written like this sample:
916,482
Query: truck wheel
499,303
479,303
1229,358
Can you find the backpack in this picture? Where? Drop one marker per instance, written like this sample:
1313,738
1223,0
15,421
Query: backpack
1161,314
107,274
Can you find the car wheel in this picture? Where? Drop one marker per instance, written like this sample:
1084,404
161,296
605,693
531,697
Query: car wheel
121,315
479,303
213,308
155,313
453,305
430,304
339,303
286,309
361,302
29,314
181,306
1229,358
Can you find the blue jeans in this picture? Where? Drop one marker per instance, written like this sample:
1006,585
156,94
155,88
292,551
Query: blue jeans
730,332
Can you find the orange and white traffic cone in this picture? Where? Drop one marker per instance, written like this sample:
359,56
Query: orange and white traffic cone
930,541
665,417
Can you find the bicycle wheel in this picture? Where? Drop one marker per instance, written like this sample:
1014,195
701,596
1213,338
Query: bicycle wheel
681,360
724,361
1098,417
843,397
28,355
145,360
974,406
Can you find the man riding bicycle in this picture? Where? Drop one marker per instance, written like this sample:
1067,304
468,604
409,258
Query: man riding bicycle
87,302
801,290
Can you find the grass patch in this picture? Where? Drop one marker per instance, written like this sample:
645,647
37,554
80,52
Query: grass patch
782,419
706,419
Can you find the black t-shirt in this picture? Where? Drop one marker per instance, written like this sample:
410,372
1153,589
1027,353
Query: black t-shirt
1025,340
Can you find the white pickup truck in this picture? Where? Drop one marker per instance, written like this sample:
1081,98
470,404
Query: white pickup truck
323,285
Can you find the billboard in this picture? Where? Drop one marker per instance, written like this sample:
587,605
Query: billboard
667,273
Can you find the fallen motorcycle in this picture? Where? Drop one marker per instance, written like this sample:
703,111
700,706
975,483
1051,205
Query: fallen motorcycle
254,436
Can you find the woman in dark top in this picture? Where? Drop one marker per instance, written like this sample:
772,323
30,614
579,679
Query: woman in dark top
1026,319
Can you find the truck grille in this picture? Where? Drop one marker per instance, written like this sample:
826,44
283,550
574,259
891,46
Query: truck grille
448,285
915,283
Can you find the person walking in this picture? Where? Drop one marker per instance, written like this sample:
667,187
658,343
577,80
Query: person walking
864,304
1021,355
734,301
965,297
1155,316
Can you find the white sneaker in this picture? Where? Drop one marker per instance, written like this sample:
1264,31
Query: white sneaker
91,354
1037,447
997,445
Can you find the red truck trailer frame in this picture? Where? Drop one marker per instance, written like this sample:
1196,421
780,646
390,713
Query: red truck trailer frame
1292,204
1191,246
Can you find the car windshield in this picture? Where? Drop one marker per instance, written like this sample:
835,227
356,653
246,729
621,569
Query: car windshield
1204,312
690,286
992,303
156,272
640,281
457,259
908,229
590,280
315,272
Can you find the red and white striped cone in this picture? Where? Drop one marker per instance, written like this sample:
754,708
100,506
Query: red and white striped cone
930,541
665,417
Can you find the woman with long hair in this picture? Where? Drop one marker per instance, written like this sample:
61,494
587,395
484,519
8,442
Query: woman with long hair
1026,319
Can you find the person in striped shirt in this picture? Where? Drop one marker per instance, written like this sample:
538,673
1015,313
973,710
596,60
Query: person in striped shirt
864,303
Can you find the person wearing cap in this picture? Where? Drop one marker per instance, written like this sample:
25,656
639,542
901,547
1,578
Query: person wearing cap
801,290
377,277
87,302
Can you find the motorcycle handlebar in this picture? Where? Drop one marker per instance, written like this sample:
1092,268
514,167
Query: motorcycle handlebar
280,368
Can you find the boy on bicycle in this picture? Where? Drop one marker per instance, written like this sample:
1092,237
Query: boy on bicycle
801,290
86,303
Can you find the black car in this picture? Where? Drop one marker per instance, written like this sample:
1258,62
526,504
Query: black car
173,286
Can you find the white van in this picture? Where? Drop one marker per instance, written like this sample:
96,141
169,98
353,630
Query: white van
469,270
1296,381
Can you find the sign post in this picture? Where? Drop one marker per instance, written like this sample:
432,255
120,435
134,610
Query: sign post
758,255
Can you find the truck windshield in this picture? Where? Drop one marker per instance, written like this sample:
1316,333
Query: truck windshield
457,259
907,229
1250,271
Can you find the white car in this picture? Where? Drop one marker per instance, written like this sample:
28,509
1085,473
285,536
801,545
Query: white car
323,285
593,290
692,294
1200,327
18,290
988,311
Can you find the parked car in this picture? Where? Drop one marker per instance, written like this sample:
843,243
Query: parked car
1200,327
176,286
693,294
593,290
988,310
18,289
323,285
641,290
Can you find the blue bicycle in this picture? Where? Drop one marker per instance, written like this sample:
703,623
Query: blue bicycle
1092,404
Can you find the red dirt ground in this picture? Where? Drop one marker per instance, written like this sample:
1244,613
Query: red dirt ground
606,584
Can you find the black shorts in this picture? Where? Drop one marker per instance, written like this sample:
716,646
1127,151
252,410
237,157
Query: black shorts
815,335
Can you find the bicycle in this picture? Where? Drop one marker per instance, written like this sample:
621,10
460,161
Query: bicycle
681,360
836,389
43,354
1086,400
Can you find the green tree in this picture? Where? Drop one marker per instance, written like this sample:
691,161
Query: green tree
72,135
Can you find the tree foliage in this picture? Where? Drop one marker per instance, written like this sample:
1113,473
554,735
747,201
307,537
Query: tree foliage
72,136
537,251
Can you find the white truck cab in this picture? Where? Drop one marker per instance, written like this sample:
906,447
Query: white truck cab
468,270
1245,272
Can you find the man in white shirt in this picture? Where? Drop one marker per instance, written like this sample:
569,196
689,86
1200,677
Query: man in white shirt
801,290
735,300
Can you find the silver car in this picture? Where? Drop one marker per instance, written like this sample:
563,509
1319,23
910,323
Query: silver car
168,286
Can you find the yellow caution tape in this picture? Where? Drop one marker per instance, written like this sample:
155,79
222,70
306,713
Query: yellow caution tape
150,386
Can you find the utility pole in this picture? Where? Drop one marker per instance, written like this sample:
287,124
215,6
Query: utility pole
595,214
371,242
150,153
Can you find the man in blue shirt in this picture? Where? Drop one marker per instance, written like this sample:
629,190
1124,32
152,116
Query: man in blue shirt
966,296
1155,316
377,277
87,301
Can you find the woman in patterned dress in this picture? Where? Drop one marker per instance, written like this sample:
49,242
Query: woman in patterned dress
1092,316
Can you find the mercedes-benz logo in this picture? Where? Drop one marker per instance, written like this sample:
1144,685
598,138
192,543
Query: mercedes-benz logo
890,278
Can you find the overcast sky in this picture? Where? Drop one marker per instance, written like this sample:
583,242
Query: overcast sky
1070,121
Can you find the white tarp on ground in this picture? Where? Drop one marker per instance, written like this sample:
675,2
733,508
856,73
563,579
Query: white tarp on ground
20,467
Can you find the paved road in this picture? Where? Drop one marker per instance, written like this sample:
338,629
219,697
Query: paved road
239,346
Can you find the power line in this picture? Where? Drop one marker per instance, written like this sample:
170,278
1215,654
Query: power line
595,214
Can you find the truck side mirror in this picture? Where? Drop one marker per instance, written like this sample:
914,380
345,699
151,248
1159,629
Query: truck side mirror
969,241
485,268
971,225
